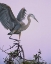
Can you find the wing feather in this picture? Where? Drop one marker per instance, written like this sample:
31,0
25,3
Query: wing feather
5,6
5,20
6,17
21,14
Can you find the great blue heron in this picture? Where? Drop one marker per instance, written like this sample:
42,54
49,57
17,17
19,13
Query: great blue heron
8,20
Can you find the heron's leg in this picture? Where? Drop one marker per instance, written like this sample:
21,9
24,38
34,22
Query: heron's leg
19,35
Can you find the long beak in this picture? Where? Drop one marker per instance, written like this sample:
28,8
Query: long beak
35,19
19,35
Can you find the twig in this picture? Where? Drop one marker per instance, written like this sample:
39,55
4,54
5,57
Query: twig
14,39
10,47
3,51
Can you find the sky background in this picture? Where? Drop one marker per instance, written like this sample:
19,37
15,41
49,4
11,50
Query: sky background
37,36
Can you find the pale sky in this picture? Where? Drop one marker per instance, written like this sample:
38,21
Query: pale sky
38,35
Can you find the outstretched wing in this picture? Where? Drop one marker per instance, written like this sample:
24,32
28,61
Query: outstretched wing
6,16
21,14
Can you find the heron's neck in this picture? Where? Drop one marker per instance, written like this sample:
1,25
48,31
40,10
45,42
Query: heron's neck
27,25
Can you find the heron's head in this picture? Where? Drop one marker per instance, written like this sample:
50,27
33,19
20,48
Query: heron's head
31,15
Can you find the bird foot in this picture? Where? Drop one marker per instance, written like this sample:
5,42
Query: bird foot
12,32
9,33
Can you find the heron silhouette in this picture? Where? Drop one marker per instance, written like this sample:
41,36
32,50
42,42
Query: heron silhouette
9,21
